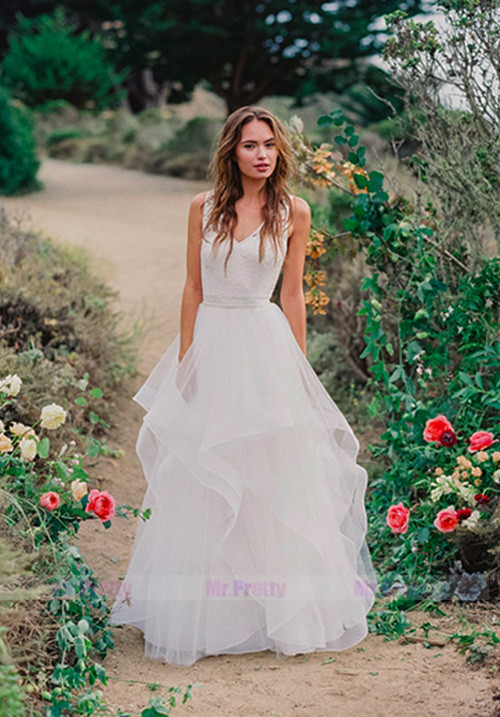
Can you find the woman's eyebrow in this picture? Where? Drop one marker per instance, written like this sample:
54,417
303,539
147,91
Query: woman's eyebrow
253,141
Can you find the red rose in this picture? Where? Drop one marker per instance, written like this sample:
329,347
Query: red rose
397,518
480,498
50,500
447,438
481,440
101,503
436,427
463,514
446,520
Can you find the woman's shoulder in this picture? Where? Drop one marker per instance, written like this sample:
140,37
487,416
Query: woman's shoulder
199,199
299,206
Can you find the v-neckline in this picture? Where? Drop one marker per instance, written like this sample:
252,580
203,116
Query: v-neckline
250,235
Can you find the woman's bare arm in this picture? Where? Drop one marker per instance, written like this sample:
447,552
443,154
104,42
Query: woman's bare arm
192,294
292,287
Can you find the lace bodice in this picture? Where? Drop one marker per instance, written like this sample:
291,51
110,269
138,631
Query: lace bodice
246,277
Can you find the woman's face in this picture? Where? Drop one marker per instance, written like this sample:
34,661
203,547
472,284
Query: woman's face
256,153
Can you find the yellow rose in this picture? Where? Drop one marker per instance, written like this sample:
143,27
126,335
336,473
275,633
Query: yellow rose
52,416
5,443
78,489
28,448
496,456
482,456
439,471
476,471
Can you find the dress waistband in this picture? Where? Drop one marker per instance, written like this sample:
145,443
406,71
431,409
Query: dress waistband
234,302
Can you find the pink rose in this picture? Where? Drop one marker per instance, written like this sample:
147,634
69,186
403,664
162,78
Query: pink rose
397,518
446,520
439,429
480,440
101,503
50,500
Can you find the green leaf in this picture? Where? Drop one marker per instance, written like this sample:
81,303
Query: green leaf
93,417
62,470
423,534
94,448
324,121
339,139
360,181
353,140
82,626
80,647
81,401
376,181
83,382
96,392
351,224
43,448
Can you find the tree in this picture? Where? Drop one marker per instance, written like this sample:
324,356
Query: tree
19,163
47,61
451,80
244,50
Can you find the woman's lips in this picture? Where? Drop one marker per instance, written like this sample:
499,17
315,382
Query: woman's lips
262,166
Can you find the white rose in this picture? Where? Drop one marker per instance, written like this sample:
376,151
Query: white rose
52,416
28,448
5,443
10,385
496,476
472,520
18,429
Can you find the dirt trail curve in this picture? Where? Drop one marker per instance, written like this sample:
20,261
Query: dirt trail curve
134,226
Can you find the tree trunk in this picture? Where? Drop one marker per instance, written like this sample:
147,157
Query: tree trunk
143,91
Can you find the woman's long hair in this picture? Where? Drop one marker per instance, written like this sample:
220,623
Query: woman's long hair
227,181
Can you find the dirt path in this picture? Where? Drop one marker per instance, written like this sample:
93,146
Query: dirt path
134,226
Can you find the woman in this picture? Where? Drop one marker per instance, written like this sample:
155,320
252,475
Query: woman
256,538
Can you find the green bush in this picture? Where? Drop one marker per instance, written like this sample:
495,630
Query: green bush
18,162
188,153
62,134
57,323
432,346
46,61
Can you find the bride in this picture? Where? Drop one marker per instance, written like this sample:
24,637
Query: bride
256,539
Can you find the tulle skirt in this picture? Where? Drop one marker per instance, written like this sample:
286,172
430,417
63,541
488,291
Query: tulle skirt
256,538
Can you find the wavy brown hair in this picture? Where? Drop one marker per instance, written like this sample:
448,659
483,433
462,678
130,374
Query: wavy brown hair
227,181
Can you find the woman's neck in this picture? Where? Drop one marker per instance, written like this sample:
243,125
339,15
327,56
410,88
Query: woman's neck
253,190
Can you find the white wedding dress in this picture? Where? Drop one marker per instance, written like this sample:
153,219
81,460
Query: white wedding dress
256,538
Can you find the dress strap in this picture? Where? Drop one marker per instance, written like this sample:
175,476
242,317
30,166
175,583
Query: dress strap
206,208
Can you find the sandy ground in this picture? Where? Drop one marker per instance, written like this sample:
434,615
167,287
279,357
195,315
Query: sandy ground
134,226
